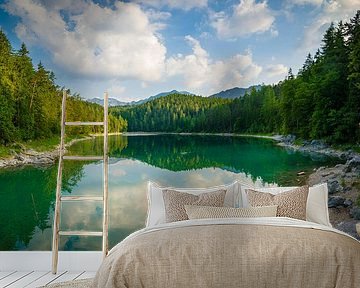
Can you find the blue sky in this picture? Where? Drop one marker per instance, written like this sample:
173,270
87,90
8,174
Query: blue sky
135,49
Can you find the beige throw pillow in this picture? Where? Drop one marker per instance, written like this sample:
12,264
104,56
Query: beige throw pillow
175,201
290,204
201,212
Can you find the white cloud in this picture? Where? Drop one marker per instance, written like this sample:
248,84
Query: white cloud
305,2
275,70
177,4
94,41
116,90
203,75
330,11
248,17
157,15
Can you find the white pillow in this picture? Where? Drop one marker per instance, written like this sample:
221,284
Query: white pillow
317,203
156,207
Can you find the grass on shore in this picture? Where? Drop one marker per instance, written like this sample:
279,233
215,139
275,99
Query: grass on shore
346,147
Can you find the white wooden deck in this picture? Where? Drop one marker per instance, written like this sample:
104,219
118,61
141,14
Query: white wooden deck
32,268
30,279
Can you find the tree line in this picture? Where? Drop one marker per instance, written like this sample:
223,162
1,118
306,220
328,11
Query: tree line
30,101
177,113
321,102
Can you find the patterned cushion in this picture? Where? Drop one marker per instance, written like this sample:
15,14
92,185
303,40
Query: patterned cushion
200,212
290,204
174,202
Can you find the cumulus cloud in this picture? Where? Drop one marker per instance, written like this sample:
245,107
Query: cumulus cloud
92,41
204,75
330,11
248,17
305,2
274,70
116,89
177,4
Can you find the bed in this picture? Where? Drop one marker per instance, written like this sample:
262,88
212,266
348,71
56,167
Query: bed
234,251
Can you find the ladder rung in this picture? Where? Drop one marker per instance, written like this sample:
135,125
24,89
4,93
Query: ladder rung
81,198
83,158
80,233
79,123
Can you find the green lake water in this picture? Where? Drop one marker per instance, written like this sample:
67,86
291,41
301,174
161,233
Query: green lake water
28,194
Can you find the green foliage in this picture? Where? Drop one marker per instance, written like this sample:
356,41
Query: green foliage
178,113
321,102
30,101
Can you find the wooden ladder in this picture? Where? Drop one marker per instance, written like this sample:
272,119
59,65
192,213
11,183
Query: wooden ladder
59,198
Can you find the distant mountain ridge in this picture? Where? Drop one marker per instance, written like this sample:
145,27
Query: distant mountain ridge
232,93
235,92
115,102
162,94
112,102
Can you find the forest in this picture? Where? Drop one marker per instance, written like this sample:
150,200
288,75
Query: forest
322,101
30,101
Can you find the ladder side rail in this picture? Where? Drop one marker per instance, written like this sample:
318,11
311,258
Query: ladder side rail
56,227
105,176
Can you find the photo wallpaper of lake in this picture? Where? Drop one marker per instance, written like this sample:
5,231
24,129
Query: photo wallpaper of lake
187,94
170,160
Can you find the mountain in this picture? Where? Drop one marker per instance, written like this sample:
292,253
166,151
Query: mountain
115,102
234,92
112,102
162,94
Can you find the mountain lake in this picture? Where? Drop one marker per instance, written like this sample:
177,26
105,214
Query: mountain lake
28,193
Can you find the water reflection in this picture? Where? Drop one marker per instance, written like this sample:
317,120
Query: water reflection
28,194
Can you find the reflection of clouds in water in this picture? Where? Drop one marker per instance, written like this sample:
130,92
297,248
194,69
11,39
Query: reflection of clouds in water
91,182
117,173
127,200
81,215
128,203
128,206
41,240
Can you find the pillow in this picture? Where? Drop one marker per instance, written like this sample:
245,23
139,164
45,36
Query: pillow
290,203
316,207
175,201
156,208
201,212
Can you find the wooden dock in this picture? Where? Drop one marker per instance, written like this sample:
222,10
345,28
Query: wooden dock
33,268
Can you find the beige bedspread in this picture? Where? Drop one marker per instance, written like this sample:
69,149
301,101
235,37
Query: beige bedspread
233,254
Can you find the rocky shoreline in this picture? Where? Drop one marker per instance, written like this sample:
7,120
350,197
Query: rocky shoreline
313,146
35,158
343,182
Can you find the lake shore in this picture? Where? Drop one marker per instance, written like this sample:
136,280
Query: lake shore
29,156
32,157
343,179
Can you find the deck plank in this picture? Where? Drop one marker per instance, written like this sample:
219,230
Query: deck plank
46,279
28,279
5,274
87,275
68,276
13,277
